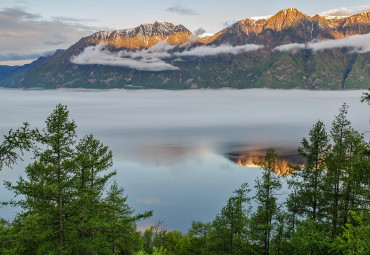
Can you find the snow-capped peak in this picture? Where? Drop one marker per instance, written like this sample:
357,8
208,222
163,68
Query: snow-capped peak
333,17
260,17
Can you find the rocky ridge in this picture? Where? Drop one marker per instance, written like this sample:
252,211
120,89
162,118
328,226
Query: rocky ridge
335,68
292,26
286,26
143,36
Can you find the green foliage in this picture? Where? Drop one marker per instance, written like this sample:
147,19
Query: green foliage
14,144
355,238
366,97
311,237
306,200
228,234
262,221
198,236
330,69
345,185
64,206
69,205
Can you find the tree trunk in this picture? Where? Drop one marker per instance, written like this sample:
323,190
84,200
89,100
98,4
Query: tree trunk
60,216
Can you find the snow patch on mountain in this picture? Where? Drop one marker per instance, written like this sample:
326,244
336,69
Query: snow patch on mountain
333,17
260,17
158,28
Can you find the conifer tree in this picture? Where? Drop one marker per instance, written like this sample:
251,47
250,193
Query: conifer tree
64,206
198,237
342,175
14,144
47,188
229,235
306,198
366,97
119,222
262,221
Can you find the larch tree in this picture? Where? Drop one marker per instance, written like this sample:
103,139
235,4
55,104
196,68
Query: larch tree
229,234
47,188
337,163
346,185
262,221
14,144
66,207
307,181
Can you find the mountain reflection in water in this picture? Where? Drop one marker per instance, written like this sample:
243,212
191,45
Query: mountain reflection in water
287,159
177,152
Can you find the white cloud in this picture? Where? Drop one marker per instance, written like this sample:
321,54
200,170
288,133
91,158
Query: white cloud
346,11
203,51
228,23
290,47
145,60
152,59
358,43
30,35
178,8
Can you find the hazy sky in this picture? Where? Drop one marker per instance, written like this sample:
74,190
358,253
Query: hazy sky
29,28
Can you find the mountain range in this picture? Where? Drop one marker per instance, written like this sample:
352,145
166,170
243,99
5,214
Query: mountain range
287,50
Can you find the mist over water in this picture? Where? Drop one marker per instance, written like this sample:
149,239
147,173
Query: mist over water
173,149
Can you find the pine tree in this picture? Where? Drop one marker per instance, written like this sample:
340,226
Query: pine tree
336,163
119,224
198,237
229,235
262,221
355,238
92,160
343,180
366,97
14,144
306,199
47,187
353,183
65,208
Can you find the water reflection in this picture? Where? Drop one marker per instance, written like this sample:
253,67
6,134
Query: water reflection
170,154
286,161
176,151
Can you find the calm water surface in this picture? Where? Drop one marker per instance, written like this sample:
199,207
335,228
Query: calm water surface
172,149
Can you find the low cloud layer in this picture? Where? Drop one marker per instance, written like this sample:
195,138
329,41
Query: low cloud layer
203,51
30,35
346,11
154,58
145,60
358,43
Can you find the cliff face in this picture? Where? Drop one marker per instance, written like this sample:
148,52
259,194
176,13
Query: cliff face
292,26
143,36
287,26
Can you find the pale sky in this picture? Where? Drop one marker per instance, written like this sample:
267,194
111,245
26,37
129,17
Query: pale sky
29,28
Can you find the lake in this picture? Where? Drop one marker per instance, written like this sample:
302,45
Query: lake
176,151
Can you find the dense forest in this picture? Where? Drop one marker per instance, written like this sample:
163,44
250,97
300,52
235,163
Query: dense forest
68,204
